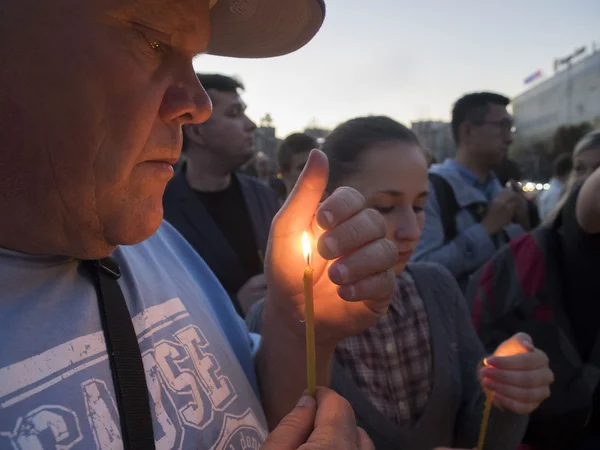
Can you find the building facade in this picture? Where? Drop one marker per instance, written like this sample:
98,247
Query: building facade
570,97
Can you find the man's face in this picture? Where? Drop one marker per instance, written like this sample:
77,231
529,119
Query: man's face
489,140
229,134
99,90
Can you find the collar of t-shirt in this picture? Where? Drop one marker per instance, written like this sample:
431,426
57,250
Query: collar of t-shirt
487,188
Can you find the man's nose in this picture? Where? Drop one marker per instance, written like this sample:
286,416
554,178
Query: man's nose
186,101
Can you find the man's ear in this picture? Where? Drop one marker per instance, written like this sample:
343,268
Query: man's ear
194,134
464,131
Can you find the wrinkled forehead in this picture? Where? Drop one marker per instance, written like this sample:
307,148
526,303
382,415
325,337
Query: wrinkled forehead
181,15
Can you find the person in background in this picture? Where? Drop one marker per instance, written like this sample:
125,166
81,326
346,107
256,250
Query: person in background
292,155
469,214
262,167
586,156
224,215
431,159
262,170
509,175
563,165
546,283
413,377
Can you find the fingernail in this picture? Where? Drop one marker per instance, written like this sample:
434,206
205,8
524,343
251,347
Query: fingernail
305,401
331,245
340,272
490,361
326,217
526,343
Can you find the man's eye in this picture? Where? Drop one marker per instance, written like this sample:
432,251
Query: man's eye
159,47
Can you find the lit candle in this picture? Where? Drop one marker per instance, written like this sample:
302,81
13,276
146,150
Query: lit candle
507,348
489,397
309,316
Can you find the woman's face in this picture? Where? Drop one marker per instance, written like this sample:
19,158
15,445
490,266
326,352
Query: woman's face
392,176
585,163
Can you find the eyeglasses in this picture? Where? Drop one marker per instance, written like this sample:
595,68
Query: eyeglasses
504,125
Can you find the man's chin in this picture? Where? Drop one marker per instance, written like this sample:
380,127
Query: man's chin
135,228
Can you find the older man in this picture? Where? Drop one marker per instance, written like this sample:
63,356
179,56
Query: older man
94,94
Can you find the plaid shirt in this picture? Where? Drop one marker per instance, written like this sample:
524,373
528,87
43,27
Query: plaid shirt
391,362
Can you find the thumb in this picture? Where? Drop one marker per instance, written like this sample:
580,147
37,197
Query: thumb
297,212
295,428
517,344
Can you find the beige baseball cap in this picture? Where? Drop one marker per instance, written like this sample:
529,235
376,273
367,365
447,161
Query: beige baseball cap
263,28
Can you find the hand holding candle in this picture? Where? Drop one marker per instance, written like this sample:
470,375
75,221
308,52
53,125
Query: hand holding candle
352,262
353,282
517,377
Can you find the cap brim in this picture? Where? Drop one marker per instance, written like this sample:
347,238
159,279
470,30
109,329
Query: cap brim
263,28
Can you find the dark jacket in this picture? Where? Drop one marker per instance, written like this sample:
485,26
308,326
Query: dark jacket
186,212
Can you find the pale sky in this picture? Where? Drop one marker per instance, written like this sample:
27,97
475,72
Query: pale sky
410,59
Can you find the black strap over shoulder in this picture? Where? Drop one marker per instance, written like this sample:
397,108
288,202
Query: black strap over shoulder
449,207
124,355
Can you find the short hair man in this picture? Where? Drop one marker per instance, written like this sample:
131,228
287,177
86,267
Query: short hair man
223,214
292,155
91,126
563,165
469,214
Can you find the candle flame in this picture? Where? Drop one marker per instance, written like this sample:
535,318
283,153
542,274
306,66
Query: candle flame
306,248
510,347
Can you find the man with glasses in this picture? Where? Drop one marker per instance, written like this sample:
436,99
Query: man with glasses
469,214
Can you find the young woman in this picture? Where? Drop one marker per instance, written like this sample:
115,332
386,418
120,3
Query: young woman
413,378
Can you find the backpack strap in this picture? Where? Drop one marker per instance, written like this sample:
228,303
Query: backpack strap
448,205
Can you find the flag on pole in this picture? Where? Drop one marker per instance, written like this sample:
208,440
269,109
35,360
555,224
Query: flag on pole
533,76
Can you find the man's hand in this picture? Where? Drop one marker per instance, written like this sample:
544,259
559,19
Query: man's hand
518,374
325,423
501,211
521,216
353,262
252,291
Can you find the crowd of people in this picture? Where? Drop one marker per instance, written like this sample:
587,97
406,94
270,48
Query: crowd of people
151,293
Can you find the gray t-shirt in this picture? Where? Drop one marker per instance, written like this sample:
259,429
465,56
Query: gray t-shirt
56,388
